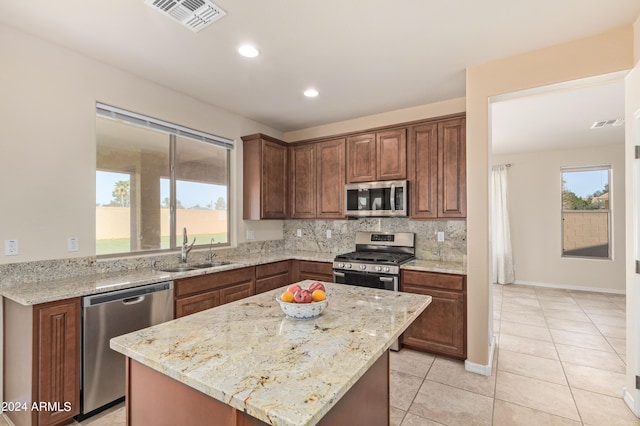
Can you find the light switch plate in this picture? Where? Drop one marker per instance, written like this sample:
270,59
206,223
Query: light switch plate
298,232
440,236
10,247
72,244
250,234
328,233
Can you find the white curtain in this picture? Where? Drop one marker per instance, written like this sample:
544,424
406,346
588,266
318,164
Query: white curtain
500,231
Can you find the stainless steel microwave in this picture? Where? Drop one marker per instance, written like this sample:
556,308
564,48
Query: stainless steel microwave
388,198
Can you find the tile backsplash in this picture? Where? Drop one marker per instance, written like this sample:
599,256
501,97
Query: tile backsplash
314,235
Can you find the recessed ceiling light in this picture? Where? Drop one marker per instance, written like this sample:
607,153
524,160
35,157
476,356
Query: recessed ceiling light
248,51
311,93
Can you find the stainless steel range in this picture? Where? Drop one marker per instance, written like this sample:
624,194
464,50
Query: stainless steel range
376,261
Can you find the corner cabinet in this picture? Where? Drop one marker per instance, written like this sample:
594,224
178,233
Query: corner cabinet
377,156
265,177
42,361
437,169
317,180
442,327
201,292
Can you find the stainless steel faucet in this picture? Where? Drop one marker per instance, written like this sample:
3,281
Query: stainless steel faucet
186,248
212,255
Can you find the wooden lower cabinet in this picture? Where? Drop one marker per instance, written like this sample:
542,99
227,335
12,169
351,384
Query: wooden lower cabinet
195,294
42,342
273,275
57,353
196,303
310,270
442,327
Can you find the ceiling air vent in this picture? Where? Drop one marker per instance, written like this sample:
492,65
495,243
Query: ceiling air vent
193,14
608,123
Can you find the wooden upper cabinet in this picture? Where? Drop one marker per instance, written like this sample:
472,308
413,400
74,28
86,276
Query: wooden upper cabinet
377,156
361,158
265,177
437,169
452,173
317,180
423,166
391,153
330,178
303,181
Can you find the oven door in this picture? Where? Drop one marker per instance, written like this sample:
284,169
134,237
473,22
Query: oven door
366,279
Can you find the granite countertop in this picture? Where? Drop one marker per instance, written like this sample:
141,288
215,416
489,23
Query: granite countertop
458,268
280,370
34,293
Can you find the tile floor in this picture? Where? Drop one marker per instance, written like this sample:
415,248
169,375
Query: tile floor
560,361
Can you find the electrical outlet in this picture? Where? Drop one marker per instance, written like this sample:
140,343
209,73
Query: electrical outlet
298,232
328,233
440,236
10,247
72,244
250,234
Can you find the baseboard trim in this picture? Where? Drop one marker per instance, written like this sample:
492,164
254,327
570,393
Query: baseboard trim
485,370
628,399
570,287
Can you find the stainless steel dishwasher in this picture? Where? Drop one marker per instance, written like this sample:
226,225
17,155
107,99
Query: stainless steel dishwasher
108,315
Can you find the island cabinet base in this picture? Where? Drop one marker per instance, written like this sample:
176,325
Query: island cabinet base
154,398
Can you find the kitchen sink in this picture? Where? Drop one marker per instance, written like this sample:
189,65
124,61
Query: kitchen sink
212,264
179,269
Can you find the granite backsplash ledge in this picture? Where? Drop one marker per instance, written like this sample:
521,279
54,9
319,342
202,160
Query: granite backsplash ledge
26,272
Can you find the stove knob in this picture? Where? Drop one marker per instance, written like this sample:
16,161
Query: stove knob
363,267
341,265
386,269
348,266
379,268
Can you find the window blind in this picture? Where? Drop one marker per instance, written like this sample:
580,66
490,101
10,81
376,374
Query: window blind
114,113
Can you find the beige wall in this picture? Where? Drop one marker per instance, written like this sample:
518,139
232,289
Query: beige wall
601,54
535,195
48,143
632,179
436,109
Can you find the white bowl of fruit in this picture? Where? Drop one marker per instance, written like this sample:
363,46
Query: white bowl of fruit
300,303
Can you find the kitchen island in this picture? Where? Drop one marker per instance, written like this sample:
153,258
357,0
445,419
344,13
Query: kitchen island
246,363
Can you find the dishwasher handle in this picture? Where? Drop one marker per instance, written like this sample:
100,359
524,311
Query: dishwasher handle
133,300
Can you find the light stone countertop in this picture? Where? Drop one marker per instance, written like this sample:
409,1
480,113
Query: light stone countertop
280,370
458,268
34,293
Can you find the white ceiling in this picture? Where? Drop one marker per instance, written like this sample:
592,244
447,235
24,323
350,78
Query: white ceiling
558,119
364,57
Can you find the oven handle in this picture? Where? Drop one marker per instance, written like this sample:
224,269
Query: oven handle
392,199
338,274
387,279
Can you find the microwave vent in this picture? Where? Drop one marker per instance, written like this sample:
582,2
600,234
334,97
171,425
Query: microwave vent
193,14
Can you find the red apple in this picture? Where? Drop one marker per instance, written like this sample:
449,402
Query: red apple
293,288
302,296
316,286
